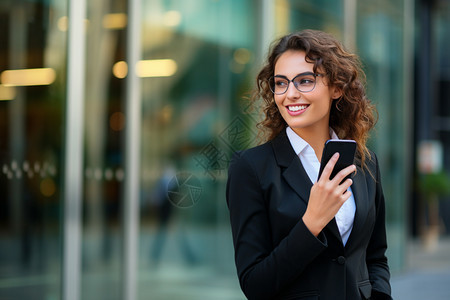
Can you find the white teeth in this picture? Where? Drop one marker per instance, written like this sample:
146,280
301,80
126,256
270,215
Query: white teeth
297,107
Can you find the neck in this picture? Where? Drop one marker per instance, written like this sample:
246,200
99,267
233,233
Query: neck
315,137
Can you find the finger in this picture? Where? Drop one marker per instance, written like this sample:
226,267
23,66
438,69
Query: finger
344,173
329,167
343,187
346,195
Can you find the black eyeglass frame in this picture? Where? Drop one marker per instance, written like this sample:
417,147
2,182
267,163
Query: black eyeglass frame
272,82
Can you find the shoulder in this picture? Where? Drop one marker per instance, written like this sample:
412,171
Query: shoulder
372,163
371,169
266,159
246,171
256,153
253,157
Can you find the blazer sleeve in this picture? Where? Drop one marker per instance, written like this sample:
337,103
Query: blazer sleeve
263,268
376,251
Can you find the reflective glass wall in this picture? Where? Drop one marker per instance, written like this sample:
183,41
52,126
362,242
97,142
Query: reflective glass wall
193,119
385,43
32,101
103,168
198,60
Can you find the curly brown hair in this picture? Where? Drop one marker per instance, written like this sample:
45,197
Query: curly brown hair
352,116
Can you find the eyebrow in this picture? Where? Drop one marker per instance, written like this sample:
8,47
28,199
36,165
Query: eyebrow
304,73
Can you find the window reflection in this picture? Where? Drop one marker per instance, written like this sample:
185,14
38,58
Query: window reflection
381,48
28,77
31,143
104,171
184,223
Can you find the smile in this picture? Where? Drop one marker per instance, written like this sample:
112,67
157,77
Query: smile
295,108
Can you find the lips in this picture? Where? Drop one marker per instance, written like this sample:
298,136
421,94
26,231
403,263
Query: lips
296,108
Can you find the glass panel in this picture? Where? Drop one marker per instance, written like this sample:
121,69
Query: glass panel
441,25
192,121
104,160
32,92
326,15
380,44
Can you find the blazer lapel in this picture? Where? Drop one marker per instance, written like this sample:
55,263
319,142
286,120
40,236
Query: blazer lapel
359,189
294,173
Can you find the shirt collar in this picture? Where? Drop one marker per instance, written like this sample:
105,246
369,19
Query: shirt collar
299,144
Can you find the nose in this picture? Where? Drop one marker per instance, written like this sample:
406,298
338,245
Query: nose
292,91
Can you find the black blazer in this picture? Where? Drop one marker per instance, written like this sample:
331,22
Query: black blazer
276,255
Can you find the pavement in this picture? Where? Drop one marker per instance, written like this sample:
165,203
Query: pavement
426,275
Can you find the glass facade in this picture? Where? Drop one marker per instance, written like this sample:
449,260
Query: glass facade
32,102
191,123
103,169
198,61
382,47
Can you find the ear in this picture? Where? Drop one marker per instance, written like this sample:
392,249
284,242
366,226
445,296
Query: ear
335,93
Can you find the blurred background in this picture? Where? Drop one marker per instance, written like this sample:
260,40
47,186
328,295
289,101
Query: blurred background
196,63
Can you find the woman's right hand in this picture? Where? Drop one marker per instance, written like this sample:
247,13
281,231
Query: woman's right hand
327,196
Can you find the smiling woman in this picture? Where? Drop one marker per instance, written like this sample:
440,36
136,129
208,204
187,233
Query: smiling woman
310,99
350,115
296,234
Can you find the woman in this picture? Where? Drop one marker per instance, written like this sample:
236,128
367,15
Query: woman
296,236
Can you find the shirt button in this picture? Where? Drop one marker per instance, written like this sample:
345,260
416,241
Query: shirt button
341,260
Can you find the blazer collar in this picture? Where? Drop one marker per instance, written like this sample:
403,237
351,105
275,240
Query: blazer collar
294,173
284,153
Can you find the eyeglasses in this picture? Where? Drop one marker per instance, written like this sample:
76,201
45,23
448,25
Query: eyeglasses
304,82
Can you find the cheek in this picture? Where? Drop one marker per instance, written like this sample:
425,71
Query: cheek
325,101
278,100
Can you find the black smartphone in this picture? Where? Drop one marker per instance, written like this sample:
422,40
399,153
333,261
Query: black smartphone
346,149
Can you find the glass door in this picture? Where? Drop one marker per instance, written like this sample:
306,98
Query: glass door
32,98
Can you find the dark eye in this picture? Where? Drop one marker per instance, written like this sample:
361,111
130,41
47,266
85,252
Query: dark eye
307,80
280,82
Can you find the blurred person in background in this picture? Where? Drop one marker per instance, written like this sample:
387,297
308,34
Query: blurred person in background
297,236
164,208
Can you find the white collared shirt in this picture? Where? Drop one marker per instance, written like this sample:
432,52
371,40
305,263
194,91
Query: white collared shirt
346,214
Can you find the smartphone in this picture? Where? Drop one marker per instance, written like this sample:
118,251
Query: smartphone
346,149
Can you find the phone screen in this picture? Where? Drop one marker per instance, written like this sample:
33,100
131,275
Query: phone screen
346,149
